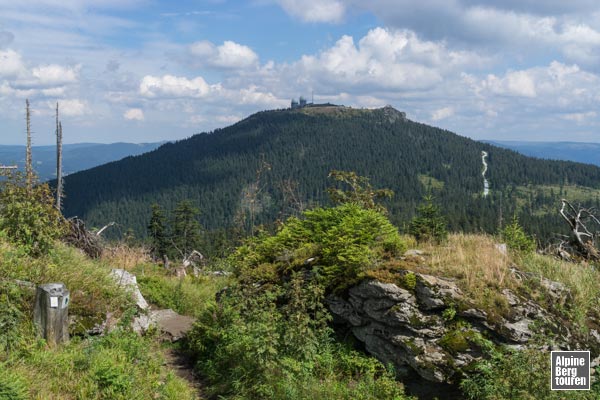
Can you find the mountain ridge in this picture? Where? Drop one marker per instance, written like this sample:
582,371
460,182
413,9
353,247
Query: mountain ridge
215,169
76,156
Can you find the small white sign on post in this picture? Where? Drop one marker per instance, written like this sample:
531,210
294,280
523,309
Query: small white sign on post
54,302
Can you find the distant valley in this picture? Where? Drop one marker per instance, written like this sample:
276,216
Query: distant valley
76,157
588,153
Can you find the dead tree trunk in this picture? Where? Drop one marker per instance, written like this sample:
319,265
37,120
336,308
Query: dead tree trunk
579,220
59,182
28,160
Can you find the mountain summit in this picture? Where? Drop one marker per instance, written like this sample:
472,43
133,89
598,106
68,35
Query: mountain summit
272,156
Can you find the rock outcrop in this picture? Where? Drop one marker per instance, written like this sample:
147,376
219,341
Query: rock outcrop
129,282
429,326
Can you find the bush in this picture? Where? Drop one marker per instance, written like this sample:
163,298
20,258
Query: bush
276,344
515,374
12,386
28,216
188,296
342,243
516,238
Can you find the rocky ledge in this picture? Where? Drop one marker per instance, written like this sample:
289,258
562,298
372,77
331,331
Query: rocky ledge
430,327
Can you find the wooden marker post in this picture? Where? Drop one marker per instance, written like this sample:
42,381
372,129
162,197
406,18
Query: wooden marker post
51,312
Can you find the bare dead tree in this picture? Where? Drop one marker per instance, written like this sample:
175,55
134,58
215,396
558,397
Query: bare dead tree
28,159
59,181
293,205
580,221
253,199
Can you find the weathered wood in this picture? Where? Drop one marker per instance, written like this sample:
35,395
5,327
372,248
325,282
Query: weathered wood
51,313
78,236
59,180
578,220
28,160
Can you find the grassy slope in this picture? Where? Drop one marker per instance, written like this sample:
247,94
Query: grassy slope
481,270
120,365
123,365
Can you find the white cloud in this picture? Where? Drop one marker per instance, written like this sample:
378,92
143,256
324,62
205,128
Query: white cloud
228,119
514,83
580,117
384,60
315,10
71,107
559,83
229,55
175,87
134,114
50,75
53,92
253,95
11,64
519,28
442,113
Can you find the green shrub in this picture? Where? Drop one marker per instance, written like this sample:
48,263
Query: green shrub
276,344
410,280
112,379
12,386
516,238
449,313
28,216
188,296
343,242
429,223
517,374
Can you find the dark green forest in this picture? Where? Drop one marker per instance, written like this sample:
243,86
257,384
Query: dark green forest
274,163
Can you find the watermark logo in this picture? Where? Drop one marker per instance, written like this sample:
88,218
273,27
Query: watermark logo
570,370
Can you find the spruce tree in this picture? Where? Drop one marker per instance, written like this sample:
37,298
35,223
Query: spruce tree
157,232
429,223
186,229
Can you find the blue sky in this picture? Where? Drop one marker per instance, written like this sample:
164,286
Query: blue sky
149,70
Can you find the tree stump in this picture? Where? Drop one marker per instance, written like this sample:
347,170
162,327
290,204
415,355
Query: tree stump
51,311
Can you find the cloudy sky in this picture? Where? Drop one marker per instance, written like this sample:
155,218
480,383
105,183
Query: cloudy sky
149,70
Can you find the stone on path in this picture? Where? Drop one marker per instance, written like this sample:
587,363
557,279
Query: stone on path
167,321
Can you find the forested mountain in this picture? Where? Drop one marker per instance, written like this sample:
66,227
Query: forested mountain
572,151
261,168
76,157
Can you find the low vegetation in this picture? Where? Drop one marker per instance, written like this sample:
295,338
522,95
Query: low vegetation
522,375
269,336
119,365
263,329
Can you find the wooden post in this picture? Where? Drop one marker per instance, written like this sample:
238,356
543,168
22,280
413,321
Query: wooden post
59,182
28,160
51,313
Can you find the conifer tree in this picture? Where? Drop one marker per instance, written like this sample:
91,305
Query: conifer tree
186,229
429,223
157,232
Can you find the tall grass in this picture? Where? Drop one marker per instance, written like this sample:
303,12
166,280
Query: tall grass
123,256
482,271
582,279
119,365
